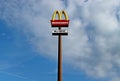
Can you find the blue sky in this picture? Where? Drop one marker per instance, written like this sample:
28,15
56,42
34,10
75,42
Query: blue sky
28,51
19,63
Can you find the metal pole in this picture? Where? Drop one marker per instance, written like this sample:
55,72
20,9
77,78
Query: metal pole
59,57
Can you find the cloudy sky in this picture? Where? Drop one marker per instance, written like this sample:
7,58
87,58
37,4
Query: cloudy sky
28,51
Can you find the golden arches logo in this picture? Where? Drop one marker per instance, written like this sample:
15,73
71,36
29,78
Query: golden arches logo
60,15
60,22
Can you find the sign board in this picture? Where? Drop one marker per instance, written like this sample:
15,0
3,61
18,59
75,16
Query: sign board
60,32
60,23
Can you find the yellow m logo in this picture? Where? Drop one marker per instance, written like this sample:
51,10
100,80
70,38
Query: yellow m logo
60,15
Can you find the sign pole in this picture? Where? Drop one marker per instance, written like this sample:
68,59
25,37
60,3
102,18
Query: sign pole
59,57
59,32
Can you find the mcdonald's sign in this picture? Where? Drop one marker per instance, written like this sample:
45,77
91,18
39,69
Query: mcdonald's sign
60,22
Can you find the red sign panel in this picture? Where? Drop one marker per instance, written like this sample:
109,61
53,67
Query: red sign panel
59,23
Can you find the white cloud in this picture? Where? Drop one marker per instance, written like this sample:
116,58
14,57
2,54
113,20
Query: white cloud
93,41
115,79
